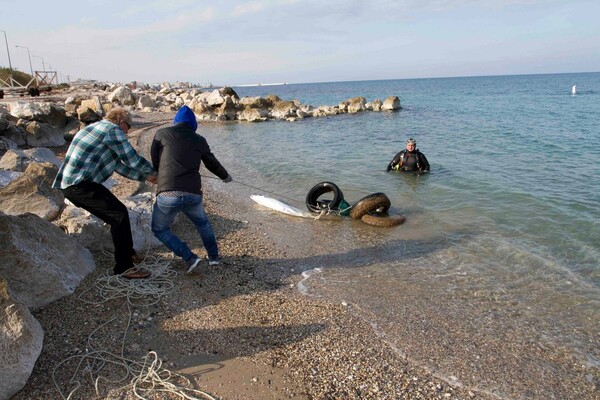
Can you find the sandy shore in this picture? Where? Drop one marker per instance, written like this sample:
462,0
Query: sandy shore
240,330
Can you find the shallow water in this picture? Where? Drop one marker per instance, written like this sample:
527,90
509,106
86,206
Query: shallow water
507,220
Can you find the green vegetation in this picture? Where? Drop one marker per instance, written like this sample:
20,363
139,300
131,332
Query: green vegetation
18,76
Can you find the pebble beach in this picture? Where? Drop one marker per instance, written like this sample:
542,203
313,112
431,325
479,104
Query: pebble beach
246,329
240,330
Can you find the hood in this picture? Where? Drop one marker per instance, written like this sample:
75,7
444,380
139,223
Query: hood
186,115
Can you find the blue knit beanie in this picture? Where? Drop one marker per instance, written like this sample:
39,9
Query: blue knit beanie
186,115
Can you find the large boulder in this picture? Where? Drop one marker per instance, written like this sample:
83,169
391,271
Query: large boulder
21,341
19,160
356,104
32,192
13,133
284,109
92,233
228,109
40,262
253,115
41,134
146,101
123,96
49,113
392,103
215,98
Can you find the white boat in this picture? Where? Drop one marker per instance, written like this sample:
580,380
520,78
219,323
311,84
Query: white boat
574,90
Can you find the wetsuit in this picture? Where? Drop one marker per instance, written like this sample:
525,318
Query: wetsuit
409,161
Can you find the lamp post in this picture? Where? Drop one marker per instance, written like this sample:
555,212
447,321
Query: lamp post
7,52
43,66
29,54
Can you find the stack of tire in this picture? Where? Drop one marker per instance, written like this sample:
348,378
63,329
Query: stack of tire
371,209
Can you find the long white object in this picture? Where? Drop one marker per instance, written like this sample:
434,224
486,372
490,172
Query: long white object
277,205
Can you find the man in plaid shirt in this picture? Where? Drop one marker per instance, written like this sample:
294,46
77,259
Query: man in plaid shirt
95,153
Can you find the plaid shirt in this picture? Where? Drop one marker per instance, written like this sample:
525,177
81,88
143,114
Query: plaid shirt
96,152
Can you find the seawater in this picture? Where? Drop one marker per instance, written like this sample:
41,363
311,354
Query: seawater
509,211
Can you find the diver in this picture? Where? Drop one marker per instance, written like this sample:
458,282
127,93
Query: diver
409,159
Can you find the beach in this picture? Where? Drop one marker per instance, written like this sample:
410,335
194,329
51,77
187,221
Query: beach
240,330
323,309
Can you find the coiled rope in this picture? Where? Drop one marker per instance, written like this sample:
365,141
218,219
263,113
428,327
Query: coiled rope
144,378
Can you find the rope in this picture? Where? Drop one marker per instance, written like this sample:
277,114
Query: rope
143,378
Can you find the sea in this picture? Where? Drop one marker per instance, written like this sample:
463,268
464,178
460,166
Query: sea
495,274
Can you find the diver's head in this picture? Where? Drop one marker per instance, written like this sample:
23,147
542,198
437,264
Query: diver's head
411,144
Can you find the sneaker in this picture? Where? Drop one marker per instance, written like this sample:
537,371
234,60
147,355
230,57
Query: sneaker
192,263
214,262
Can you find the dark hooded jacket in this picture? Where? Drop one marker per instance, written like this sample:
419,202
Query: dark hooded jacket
177,152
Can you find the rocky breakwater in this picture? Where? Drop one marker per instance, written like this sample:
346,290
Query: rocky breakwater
224,104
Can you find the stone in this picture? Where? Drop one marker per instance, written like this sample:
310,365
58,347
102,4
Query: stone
41,134
40,262
391,103
21,342
32,192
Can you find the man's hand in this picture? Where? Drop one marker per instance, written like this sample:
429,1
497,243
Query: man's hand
228,179
152,179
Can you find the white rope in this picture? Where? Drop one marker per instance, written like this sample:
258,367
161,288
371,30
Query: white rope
143,378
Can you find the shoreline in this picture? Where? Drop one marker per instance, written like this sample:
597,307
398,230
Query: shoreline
246,329
239,330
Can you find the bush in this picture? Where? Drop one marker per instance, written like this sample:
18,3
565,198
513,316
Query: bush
18,76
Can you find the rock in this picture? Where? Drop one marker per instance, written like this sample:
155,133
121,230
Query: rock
146,101
227,109
215,98
40,262
7,177
253,115
40,134
356,104
21,341
377,105
92,233
19,160
32,192
15,135
227,91
392,103
49,113
7,143
122,95
284,109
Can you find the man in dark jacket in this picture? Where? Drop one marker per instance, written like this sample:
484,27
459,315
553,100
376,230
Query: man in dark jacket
176,153
409,159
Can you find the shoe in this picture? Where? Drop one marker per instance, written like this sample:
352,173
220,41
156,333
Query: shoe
192,263
137,258
135,273
214,262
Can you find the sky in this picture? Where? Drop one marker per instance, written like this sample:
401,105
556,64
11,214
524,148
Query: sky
237,42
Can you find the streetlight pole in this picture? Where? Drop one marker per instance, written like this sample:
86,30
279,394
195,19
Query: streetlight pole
29,54
43,66
7,52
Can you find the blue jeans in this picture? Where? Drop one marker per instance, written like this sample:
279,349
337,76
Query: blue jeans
164,212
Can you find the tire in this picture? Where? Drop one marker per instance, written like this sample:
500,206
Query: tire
373,202
383,219
315,205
